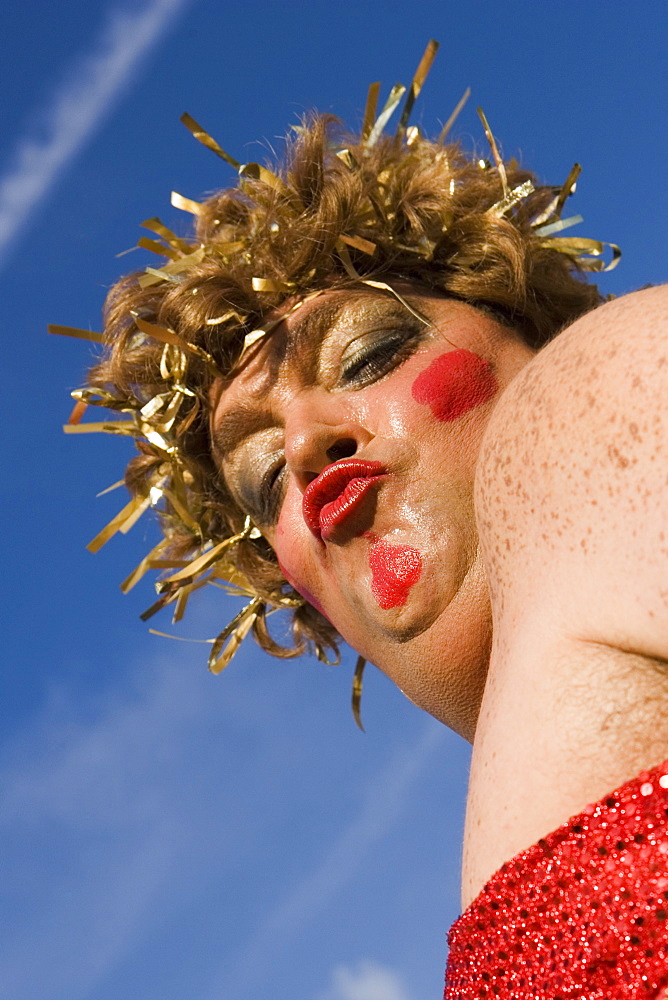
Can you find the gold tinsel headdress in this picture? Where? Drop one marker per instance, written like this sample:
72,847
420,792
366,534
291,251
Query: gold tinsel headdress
160,422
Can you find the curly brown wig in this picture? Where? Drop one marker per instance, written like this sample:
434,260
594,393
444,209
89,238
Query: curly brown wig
337,210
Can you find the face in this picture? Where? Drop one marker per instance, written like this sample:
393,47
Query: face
350,435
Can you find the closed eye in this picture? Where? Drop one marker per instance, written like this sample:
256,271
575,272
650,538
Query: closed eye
270,493
377,358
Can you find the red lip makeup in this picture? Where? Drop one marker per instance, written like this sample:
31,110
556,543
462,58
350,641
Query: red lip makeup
337,493
455,383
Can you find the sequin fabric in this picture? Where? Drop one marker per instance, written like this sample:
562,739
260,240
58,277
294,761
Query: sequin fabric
583,913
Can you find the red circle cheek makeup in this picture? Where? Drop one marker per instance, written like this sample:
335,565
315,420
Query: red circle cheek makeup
394,569
455,383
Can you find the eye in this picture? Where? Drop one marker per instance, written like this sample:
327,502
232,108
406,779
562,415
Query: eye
270,493
376,357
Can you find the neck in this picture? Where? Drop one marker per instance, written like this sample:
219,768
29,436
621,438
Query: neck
446,665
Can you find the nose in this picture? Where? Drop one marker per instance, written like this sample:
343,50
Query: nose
319,432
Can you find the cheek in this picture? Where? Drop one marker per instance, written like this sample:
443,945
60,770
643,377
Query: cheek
291,559
455,383
394,570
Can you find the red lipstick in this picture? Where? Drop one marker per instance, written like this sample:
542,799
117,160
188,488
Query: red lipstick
337,493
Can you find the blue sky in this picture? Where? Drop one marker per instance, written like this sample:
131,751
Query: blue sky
166,834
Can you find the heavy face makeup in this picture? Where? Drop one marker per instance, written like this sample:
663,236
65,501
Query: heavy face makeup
350,436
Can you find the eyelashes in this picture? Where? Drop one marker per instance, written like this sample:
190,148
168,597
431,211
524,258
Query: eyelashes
376,359
371,364
270,492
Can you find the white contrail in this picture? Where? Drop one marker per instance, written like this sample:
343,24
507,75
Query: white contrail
76,109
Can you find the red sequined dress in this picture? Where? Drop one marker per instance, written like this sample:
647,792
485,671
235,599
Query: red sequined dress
583,913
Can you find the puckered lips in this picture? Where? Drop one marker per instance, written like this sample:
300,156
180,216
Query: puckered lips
338,493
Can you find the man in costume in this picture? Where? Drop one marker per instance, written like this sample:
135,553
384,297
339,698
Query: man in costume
344,406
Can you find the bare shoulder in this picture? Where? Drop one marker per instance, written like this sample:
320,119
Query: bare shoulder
572,487
637,321
572,506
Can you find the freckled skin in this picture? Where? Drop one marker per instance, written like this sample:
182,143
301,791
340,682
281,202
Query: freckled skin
574,547
394,568
571,506
455,383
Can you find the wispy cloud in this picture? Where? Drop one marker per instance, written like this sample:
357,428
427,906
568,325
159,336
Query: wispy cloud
90,832
117,823
120,809
384,802
77,107
367,980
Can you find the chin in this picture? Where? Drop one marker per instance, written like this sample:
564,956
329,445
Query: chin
438,658
402,625
371,626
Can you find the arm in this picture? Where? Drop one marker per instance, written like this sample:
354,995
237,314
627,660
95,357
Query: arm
572,503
